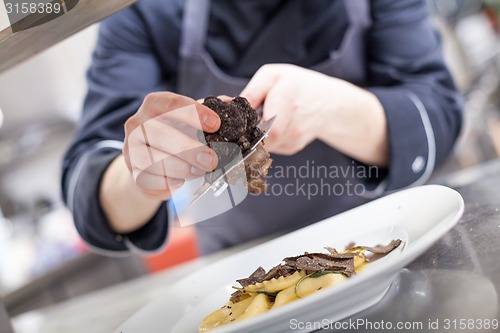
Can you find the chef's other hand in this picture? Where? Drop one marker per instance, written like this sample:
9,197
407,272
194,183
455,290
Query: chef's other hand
294,95
162,146
310,105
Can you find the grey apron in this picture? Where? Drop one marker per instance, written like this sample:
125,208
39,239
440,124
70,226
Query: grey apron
304,188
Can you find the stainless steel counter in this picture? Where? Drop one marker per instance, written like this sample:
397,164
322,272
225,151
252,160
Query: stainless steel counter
451,288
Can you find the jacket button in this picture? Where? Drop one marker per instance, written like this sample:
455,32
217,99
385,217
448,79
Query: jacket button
418,164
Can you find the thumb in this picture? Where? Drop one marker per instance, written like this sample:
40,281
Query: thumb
259,86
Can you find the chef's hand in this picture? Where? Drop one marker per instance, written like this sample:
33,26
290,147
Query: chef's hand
161,151
310,105
161,146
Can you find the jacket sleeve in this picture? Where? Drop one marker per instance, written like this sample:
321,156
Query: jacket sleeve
408,75
124,69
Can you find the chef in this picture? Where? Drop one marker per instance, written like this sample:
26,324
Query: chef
364,102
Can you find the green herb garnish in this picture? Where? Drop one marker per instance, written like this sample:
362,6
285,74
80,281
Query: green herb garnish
316,275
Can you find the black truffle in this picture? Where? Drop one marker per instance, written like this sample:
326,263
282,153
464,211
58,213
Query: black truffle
238,126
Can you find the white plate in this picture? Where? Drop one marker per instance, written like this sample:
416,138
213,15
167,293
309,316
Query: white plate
419,216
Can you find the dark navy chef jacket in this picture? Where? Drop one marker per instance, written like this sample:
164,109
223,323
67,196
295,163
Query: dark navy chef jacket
138,53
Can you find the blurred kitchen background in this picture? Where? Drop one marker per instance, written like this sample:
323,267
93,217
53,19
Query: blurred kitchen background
42,259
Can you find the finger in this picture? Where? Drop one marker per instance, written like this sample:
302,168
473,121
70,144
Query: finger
171,167
297,137
197,116
173,108
261,83
150,159
160,194
169,140
152,142
288,148
276,105
153,183
126,155
225,98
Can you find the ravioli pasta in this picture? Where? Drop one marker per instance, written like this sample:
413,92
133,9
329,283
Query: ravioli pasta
292,279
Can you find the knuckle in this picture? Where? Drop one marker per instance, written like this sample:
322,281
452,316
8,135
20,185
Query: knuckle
294,106
130,124
275,134
268,68
185,147
175,168
297,133
140,159
150,98
301,145
290,150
